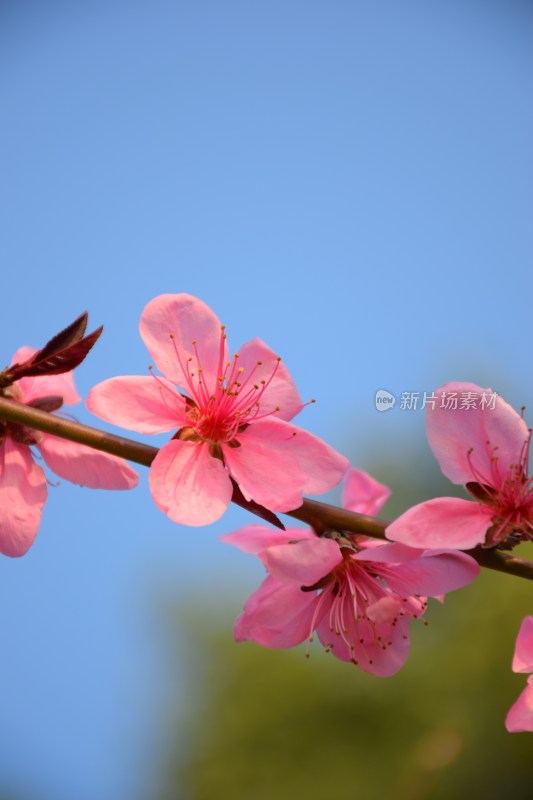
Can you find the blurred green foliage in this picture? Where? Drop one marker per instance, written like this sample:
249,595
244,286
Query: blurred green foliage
273,725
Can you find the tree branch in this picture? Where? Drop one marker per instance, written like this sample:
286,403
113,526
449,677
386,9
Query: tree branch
319,515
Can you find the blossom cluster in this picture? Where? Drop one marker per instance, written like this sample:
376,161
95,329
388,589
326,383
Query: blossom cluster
43,379
359,594
233,436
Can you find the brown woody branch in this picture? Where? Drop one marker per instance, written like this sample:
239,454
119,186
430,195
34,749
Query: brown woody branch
319,515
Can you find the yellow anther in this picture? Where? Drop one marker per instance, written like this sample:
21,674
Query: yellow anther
170,335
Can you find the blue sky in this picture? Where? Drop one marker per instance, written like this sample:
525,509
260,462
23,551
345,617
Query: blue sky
350,181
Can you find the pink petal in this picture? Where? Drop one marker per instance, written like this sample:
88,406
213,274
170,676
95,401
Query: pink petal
320,466
386,609
386,552
520,716
451,434
188,484
523,654
280,392
323,466
366,650
186,319
264,472
303,563
85,466
45,385
433,574
256,538
22,354
22,496
363,494
140,403
445,522
276,616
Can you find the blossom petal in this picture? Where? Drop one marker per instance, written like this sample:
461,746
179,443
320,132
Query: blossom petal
433,574
302,563
45,385
452,433
386,552
262,364
188,484
320,467
256,538
520,716
264,472
386,609
276,615
523,654
445,522
382,656
170,324
140,403
323,466
363,494
22,496
85,466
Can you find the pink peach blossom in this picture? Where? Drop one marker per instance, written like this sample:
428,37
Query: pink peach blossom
487,450
357,593
23,482
520,716
232,423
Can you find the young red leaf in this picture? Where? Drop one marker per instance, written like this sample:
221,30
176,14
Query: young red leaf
55,361
71,334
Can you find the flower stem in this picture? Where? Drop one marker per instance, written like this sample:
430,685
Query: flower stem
319,515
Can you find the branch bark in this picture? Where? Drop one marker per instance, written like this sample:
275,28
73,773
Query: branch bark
319,515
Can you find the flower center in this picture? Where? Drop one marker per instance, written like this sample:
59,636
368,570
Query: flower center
510,494
221,406
362,611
